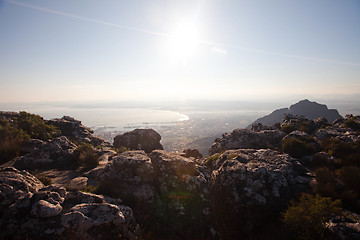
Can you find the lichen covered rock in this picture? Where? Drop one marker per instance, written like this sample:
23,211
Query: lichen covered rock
250,187
139,139
247,139
32,211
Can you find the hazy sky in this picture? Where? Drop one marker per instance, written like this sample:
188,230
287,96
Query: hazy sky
52,50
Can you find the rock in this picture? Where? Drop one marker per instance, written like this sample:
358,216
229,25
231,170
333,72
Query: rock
250,187
57,153
191,153
346,227
74,130
16,184
139,139
184,193
45,209
168,193
37,212
243,139
96,221
131,176
78,183
31,145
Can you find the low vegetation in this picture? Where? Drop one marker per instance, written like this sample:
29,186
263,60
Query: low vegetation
11,140
298,148
85,155
307,216
15,131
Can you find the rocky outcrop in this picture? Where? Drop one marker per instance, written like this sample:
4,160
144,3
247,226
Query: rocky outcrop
191,153
311,110
15,184
168,193
183,189
57,153
37,212
74,130
131,175
139,139
346,227
243,139
250,187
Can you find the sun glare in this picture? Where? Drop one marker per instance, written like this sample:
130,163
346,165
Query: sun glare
183,41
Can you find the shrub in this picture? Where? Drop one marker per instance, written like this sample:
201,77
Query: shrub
306,126
34,125
352,123
307,216
210,159
297,148
11,141
325,182
86,155
350,177
288,128
337,148
91,189
44,179
122,149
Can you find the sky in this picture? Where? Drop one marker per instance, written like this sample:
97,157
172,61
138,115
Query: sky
140,50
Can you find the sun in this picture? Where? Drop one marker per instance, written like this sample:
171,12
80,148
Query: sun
183,41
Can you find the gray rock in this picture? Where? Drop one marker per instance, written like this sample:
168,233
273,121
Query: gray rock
73,129
78,183
346,227
15,184
247,139
249,188
37,212
45,209
139,139
57,153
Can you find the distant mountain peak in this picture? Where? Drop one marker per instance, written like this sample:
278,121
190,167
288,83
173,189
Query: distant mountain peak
307,108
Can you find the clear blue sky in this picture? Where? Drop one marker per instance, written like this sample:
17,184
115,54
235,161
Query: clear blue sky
55,50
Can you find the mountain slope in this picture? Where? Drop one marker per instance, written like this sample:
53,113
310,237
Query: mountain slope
308,109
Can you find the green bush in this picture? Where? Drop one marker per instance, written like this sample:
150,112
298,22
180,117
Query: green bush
325,182
86,155
352,123
91,189
210,159
34,125
307,216
338,148
350,177
122,149
11,141
288,128
297,148
306,126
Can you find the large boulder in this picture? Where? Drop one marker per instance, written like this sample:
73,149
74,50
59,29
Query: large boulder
57,153
168,193
184,204
131,176
139,139
247,139
250,187
74,130
15,184
37,212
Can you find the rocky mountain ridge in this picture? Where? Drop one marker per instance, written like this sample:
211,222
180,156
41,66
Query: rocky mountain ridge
306,108
239,191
